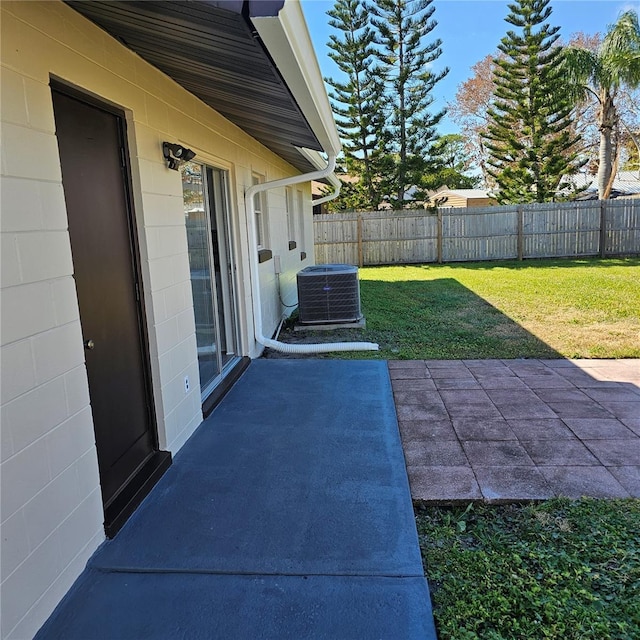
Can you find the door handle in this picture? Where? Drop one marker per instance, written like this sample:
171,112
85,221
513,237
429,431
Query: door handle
89,344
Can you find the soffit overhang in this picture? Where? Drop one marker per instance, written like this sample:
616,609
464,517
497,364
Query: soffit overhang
213,50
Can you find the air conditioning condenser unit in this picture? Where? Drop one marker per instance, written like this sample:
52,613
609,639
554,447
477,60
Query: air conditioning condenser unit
329,293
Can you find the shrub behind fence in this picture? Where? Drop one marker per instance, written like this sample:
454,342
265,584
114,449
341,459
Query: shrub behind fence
557,229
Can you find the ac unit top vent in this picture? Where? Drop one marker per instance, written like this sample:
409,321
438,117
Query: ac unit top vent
329,293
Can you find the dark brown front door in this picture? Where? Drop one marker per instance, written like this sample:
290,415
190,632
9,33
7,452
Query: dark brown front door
96,187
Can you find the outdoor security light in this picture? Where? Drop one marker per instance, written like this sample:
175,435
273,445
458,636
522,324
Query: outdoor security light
176,154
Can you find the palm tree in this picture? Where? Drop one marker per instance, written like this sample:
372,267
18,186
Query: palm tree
602,74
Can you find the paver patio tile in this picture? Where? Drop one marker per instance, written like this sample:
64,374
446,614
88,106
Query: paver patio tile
599,429
622,409
633,424
562,395
561,452
503,484
530,368
427,430
494,370
406,364
552,381
434,454
464,396
432,411
580,378
473,409
513,418
540,429
408,374
629,478
512,396
559,363
579,410
615,453
624,393
456,383
500,382
577,481
483,429
611,369
486,362
430,484
416,396
506,453
414,384
600,384
525,409
446,372
446,364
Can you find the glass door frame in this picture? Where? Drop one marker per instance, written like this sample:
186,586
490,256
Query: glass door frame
224,290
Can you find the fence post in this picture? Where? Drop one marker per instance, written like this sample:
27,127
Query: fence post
439,236
520,214
360,252
603,228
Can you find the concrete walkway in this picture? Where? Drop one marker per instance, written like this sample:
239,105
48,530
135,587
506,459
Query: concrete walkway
508,430
287,515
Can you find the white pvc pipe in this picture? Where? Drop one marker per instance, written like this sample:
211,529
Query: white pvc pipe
255,274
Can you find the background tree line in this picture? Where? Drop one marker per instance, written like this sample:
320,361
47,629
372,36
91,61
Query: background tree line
530,115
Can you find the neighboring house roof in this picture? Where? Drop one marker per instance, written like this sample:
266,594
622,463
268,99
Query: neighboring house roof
465,193
625,184
252,61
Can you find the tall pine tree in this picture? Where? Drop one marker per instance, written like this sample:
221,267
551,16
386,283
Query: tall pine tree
530,139
403,26
358,100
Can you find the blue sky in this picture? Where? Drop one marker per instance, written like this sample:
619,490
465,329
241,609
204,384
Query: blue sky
472,29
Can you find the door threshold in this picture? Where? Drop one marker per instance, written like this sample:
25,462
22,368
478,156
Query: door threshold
230,378
135,491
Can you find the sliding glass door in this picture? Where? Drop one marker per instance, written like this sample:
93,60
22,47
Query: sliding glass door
211,264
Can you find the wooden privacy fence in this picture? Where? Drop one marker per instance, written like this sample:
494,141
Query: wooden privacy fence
556,229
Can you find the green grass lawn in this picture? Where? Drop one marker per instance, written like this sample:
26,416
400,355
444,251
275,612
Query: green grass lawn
561,569
587,308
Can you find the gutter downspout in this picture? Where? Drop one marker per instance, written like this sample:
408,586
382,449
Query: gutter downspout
336,184
255,274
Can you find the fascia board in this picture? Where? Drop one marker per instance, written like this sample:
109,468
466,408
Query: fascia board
286,38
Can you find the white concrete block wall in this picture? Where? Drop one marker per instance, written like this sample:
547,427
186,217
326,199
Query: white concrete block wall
51,511
290,259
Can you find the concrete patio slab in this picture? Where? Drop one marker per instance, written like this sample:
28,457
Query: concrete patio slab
108,606
286,515
534,429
